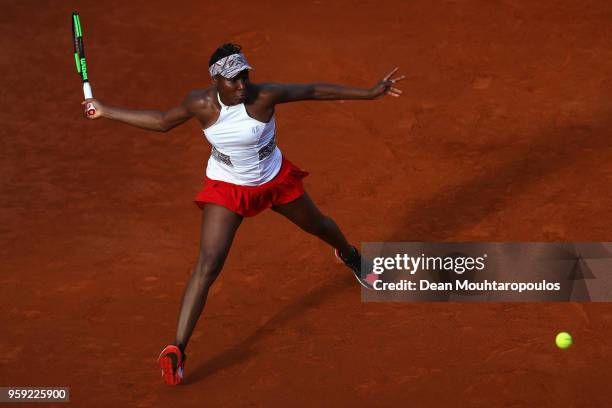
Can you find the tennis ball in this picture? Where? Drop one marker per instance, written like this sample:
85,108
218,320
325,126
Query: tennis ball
563,340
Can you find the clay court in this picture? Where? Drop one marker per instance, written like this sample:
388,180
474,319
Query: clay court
503,133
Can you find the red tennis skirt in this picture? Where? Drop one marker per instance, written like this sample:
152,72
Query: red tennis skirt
248,201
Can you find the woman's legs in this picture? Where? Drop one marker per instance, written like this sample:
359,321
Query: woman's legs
219,225
305,214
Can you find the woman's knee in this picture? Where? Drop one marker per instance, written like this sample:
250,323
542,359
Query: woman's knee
208,267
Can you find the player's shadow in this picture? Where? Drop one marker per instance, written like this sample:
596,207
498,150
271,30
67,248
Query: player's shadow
247,349
444,216
456,208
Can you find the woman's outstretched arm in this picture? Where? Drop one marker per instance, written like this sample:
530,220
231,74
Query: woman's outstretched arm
282,93
158,121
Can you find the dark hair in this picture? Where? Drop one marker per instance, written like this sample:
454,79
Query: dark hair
223,51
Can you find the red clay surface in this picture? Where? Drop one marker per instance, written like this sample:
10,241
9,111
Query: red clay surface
503,134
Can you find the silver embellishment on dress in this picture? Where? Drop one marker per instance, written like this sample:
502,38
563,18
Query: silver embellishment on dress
220,157
267,149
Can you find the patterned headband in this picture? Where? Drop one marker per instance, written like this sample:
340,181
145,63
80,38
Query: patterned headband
229,66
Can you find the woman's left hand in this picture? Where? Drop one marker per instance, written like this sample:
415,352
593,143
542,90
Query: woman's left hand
386,86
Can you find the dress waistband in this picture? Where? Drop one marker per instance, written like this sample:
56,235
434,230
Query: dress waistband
261,153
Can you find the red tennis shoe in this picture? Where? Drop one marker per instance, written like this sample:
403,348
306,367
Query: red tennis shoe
172,363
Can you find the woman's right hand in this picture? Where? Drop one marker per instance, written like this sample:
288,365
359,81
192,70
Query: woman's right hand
92,103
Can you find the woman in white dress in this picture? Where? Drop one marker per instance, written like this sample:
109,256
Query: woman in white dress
246,172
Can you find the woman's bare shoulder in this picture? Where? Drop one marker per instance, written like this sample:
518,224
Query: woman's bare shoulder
267,92
199,99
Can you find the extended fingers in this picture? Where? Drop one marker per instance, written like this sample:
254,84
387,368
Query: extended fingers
394,80
394,91
386,78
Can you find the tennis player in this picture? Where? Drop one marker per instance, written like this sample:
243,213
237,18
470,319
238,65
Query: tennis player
246,172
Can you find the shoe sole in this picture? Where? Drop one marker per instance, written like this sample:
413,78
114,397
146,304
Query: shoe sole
362,283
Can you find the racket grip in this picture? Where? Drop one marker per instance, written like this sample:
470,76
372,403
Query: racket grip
91,110
87,90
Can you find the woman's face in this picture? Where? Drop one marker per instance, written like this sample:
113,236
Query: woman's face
233,91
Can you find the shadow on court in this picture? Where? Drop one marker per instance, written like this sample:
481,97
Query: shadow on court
454,209
245,350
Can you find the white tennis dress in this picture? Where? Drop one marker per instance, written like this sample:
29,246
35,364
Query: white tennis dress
244,150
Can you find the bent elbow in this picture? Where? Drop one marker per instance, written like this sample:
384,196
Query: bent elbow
163,127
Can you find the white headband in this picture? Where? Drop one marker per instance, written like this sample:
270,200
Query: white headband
229,66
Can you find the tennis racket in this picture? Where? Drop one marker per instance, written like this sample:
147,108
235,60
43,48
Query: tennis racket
81,62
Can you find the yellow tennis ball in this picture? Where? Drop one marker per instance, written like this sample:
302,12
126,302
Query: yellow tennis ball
563,340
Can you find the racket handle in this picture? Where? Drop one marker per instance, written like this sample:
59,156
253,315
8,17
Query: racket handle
87,90
91,110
